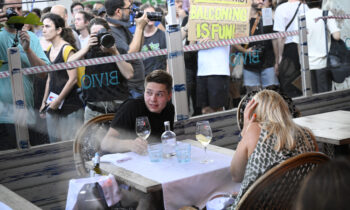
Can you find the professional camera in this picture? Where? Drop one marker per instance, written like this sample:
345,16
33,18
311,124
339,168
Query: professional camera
10,12
152,16
104,38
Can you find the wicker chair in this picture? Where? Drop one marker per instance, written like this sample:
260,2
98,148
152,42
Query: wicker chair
279,187
88,139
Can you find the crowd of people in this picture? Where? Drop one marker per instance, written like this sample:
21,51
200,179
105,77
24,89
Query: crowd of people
67,98
114,27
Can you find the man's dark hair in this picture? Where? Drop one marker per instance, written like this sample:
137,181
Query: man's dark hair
76,3
37,11
112,5
46,10
89,6
98,21
161,77
314,4
87,16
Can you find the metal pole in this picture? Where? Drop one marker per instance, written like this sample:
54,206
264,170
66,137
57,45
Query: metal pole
176,64
18,98
304,57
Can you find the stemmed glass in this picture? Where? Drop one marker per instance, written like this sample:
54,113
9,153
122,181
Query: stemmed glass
204,136
142,127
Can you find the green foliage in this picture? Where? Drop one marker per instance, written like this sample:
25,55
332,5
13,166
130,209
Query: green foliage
31,19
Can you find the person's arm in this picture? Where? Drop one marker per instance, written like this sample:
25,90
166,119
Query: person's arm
244,149
336,35
46,94
137,41
280,48
72,80
111,143
250,133
93,41
32,57
275,51
125,68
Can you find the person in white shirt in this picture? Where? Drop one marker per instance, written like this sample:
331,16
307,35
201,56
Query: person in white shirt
81,23
213,79
320,77
286,19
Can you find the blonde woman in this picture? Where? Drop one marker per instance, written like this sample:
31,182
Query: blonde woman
269,136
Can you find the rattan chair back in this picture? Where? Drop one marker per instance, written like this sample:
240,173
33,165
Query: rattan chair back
88,139
278,187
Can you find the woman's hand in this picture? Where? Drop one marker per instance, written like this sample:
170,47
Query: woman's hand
249,117
42,114
54,105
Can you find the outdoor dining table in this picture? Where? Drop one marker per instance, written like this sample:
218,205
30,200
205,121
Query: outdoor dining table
182,184
330,128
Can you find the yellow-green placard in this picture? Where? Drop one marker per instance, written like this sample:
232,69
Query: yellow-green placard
218,19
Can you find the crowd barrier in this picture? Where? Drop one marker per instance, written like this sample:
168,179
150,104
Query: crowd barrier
143,55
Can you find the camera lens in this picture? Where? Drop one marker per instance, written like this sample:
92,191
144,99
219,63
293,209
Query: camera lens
104,38
107,40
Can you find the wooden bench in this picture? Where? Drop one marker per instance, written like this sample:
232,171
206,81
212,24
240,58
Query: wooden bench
40,174
15,201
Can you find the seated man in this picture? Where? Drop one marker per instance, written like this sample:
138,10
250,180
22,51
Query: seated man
155,104
121,136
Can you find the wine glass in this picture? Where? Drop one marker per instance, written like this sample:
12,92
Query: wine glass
142,127
204,136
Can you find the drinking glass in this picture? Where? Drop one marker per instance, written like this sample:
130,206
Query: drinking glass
142,127
204,136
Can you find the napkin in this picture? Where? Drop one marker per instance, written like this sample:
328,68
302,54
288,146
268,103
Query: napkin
115,158
109,187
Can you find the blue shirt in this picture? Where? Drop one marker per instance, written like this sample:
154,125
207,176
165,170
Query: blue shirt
6,41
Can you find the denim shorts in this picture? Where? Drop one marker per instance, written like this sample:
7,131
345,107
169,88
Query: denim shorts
263,78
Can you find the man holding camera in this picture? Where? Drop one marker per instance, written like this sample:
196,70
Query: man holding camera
260,71
104,85
31,55
118,12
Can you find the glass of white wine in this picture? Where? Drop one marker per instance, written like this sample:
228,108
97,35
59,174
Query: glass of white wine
204,136
142,127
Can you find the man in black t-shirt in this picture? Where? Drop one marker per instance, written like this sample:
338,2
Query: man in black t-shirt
155,104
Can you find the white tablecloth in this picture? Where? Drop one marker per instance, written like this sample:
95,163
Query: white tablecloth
183,184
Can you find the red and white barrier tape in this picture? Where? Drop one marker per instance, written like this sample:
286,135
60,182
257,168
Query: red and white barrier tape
333,17
142,55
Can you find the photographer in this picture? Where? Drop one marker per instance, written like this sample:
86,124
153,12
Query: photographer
31,55
118,12
154,40
104,86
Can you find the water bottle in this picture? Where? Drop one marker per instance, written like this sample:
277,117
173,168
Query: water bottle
168,141
96,171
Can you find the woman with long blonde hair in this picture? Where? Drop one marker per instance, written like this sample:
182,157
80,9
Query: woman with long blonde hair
269,137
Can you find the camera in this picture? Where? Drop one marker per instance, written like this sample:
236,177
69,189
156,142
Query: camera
152,16
10,12
104,38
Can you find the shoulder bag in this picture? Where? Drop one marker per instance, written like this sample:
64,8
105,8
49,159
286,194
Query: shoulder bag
336,57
